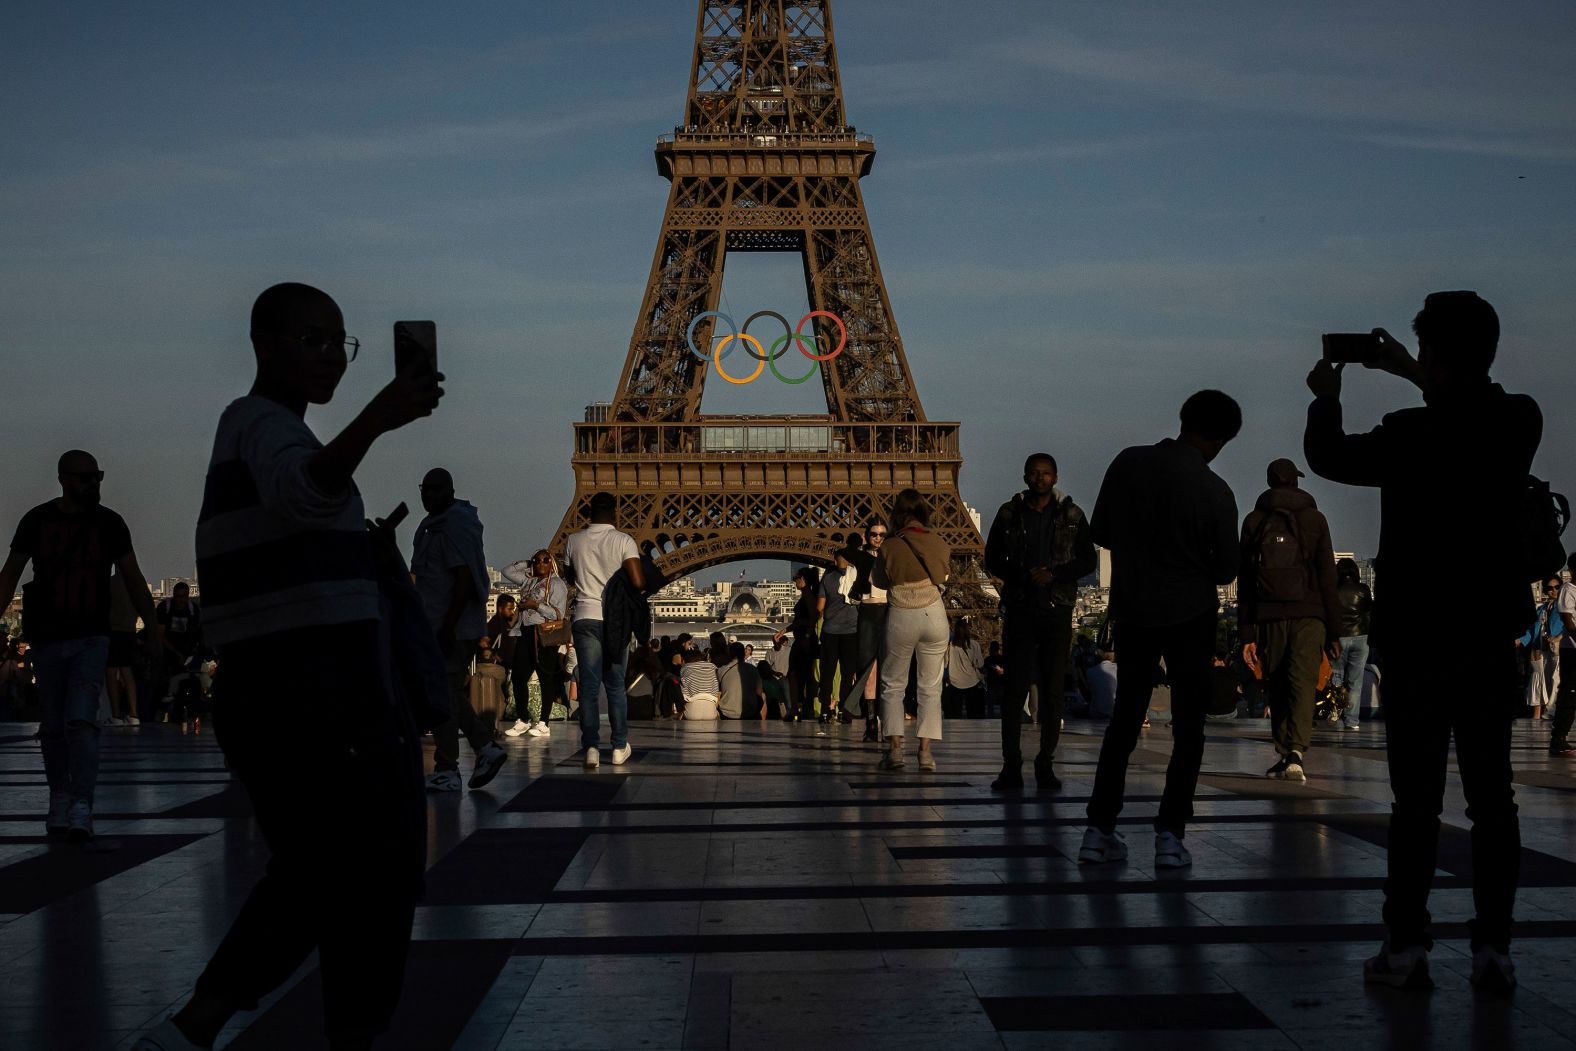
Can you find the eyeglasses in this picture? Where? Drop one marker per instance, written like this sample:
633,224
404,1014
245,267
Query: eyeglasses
875,536
324,344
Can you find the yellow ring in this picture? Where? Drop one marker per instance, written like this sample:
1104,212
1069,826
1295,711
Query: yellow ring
760,361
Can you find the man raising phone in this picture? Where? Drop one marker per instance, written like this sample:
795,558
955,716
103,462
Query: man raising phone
285,560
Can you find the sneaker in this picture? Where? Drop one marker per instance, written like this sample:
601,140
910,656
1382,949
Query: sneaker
132,720
488,762
1278,770
1098,847
621,755
870,733
1294,771
59,819
1009,780
927,762
164,1037
443,781
1492,971
1561,750
79,821
593,758
1045,775
541,729
890,760
1350,726
519,728
1170,853
1407,969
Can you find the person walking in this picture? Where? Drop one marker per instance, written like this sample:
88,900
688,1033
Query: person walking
591,557
872,623
1170,524
120,676
1286,601
839,636
801,657
1541,643
913,568
1468,427
1039,548
73,542
544,599
449,569
288,566
1354,604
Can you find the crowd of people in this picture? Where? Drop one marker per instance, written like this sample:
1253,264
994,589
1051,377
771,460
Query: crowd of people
305,598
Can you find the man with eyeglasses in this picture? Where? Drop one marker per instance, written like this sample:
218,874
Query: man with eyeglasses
872,606
73,542
329,759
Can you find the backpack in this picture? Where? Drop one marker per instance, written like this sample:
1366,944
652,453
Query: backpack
1282,569
1542,521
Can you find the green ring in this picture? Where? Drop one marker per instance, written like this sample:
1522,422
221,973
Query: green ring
772,358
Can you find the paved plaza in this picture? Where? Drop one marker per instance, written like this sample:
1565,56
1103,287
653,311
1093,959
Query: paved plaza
759,886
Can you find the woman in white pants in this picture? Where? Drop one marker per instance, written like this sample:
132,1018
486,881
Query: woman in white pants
912,567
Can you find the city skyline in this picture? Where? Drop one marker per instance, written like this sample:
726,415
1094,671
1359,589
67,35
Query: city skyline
1082,214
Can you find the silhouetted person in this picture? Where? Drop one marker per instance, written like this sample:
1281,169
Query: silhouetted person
1170,524
1354,604
449,569
1565,698
327,756
1467,432
73,542
1040,548
1286,608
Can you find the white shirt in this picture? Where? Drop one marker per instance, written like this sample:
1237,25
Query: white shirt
596,553
963,666
1567,607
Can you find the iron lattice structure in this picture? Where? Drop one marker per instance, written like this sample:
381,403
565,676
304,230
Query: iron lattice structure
765,161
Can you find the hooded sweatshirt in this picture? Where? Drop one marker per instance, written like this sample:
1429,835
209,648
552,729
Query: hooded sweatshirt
447,540
1317,598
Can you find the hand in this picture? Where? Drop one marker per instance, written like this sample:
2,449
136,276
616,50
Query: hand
1250,654
409,396
1332,650
530,603
1518,644
1041,577
1393,358
1325,379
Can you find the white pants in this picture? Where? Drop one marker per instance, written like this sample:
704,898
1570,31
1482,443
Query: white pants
1544,681
914,634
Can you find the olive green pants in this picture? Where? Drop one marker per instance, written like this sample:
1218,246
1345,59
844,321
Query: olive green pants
1289,655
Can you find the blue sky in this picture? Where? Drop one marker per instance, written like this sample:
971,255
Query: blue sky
1084,212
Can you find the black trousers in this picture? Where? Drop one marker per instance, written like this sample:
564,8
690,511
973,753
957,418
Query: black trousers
801,678
872,641
1470,692
1037,646
1189,652
838,651
1565,700
345,887
530,657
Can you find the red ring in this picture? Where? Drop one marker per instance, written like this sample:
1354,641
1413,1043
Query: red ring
840,345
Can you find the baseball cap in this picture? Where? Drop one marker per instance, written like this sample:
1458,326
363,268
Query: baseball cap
1283,472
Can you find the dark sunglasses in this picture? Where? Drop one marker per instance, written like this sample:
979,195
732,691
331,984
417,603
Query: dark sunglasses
874,536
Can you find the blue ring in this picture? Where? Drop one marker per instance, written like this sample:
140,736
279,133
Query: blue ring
689,334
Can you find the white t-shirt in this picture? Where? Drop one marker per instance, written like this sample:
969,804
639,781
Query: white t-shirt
1567,606
596,553
963,665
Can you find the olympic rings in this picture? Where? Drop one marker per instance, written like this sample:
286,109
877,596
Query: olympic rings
806,343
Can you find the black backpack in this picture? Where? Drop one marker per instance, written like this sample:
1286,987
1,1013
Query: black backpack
1281,568
1544,515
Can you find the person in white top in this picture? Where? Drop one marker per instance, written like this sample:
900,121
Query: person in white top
591,557
965,693
1565,699
544,597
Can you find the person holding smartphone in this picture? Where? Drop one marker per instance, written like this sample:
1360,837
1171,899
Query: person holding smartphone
287,566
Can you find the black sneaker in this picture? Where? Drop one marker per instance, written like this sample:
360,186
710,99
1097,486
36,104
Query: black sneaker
870,733
1278,769
1009,780
1561,750
1044,776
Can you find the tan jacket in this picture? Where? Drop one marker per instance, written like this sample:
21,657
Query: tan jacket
906,566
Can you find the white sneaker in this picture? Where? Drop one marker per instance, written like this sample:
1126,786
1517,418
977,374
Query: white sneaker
164,1037
540,729
520,727
1407,969
1492,972
132,720
488,762
593,758
621,755
1170,853
79,821
1098,847
59,819
1294,771
1350,726
443,781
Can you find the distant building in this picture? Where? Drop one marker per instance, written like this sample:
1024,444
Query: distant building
974,516
683,607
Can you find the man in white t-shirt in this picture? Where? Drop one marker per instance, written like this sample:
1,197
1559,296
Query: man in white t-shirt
1565,700
591,557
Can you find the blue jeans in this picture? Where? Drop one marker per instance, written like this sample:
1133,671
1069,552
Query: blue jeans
588,651
70,676
1347,669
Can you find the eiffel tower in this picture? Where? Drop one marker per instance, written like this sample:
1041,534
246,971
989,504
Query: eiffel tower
766,161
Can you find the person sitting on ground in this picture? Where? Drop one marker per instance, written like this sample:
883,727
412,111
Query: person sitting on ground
700,685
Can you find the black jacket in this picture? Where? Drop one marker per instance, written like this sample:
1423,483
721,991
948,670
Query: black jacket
627,612
1316,596
1061,542
1353,603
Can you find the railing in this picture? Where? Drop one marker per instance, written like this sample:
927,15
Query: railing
781,439
766,137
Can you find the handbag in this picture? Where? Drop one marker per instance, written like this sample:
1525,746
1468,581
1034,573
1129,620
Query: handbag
552,634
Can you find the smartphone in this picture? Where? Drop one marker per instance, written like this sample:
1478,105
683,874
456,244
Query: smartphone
414,340
396,516
1358,348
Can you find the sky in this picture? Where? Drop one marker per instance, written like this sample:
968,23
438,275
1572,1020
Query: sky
1083,211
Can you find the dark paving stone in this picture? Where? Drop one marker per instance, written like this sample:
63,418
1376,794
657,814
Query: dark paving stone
498,866
231,804
1162,1012
65,869
560,792
1455,850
